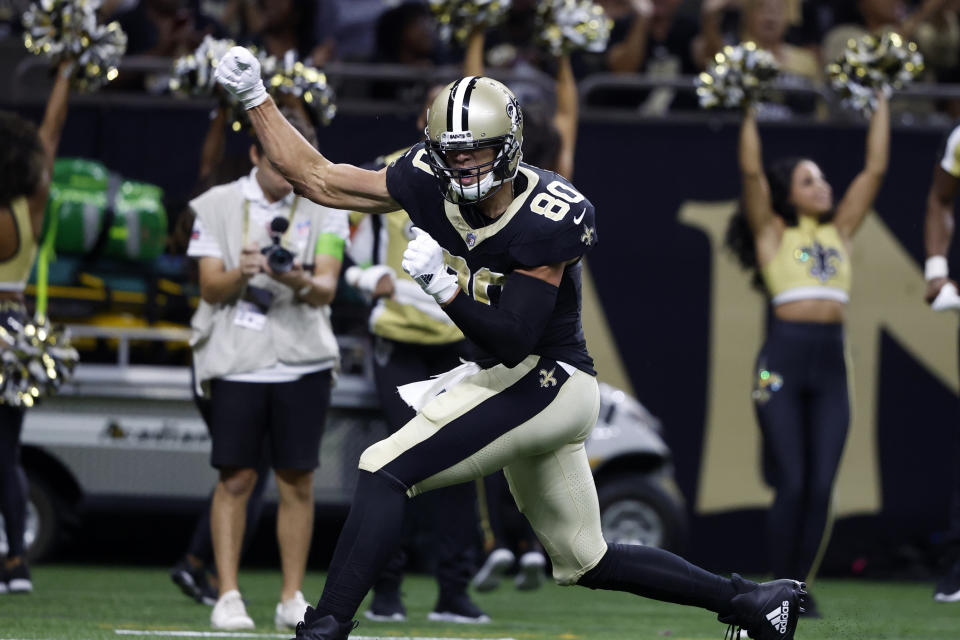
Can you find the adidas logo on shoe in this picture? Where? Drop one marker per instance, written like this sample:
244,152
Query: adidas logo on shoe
779,617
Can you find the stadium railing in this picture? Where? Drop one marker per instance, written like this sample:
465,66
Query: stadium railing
387,88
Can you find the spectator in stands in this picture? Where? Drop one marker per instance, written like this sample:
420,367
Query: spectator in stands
26,164
764,22
651,37
938,37
167,28
263,345
879,16
162,27
405,35
296,25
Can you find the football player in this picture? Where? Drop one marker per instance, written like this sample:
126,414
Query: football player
942,295
498,246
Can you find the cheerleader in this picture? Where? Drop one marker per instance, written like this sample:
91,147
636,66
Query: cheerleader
26,164
798,243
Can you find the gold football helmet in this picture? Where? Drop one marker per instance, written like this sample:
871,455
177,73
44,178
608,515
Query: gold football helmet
474,113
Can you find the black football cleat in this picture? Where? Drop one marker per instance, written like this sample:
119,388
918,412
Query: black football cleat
323,628
459,608
193,582
766,611
387,606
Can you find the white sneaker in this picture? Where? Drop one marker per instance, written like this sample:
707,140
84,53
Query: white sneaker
497,564
290,612
530,576
229,613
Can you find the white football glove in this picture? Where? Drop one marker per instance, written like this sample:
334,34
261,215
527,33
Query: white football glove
423,260
365,280
239,73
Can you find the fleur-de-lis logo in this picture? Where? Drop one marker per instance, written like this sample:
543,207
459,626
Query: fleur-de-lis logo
587,236
823,261
547,379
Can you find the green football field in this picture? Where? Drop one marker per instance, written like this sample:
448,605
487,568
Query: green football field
80,603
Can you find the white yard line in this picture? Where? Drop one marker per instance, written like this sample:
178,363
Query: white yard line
244,634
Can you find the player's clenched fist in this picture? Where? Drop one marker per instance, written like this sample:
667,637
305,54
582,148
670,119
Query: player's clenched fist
423,260
239,73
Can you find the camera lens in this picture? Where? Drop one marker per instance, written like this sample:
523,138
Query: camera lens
280,260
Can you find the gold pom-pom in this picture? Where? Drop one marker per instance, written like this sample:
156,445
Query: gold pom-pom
564,26
457,18
35,359
872,64
68,30
738,75
193,74
289,76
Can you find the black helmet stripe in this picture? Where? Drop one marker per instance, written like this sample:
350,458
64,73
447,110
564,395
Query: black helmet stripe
465,112
455,111
450,100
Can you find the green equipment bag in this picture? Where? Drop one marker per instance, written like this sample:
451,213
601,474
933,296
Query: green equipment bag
102,215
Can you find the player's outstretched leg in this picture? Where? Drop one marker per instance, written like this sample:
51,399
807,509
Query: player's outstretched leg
767,611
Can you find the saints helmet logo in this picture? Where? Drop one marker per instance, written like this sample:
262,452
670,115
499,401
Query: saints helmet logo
547,379
587,236
513,110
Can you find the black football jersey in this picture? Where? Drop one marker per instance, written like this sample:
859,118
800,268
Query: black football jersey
549,221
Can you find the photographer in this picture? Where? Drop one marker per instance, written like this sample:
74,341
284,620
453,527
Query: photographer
269,261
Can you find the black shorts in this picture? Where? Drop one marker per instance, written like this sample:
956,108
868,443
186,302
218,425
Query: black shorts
287,416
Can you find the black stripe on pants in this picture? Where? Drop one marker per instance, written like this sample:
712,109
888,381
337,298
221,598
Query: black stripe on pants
368,538
803,407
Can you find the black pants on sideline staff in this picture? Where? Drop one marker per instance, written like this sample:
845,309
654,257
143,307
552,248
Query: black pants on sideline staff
449,513
290,415
803,407
13,481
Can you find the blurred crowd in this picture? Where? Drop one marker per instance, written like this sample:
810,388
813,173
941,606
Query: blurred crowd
659,38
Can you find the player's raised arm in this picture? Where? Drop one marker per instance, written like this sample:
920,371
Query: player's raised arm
340,186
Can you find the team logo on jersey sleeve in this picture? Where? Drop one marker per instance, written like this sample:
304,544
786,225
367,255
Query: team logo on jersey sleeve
587,236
